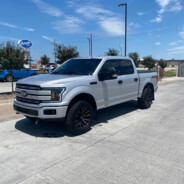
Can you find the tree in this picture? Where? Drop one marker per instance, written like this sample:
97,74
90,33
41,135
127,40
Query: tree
11,58
64,53
149,62
135,57
45,60
112,52
162,63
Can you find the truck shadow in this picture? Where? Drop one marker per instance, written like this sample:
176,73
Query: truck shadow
56,128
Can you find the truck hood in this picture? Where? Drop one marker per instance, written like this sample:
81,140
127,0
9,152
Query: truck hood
51,79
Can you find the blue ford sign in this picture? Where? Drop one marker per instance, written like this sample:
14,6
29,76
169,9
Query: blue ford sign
25,44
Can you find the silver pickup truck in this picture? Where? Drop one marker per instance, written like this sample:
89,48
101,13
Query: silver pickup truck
80,87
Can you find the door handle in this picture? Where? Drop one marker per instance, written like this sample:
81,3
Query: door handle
120,82
136,79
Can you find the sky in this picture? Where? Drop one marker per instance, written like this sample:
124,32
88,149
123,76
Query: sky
155,27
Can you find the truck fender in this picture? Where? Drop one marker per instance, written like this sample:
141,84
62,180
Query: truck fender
71,94
143,85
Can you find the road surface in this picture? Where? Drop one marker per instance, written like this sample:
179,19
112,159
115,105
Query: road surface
126,145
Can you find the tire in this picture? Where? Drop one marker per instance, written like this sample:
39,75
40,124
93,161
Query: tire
146,99
30,118
79,118
9,78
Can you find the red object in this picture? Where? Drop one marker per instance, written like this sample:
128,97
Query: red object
161,72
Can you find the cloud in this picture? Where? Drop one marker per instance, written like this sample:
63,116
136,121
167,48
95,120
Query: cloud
135,25
163,3
140,13
177,50
110,23
47,38
69,25
15,27
167,6
182,33
157,19
29,29
92,12
8,38
47,8
113,26
173,43
157,43
8,24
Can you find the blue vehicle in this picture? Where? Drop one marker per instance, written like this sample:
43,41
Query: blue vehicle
16,74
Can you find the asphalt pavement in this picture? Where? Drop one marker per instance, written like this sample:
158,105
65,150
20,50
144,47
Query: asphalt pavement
125,145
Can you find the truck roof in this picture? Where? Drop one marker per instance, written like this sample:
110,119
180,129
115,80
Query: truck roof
104,57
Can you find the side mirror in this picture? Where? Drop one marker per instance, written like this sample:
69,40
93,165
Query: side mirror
107,74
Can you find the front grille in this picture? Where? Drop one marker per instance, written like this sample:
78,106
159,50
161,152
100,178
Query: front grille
29,87
32,94
30,101
26,111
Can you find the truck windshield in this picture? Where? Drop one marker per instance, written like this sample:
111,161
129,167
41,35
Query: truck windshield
78,67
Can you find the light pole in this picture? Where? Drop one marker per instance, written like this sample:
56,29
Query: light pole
125,4
89,46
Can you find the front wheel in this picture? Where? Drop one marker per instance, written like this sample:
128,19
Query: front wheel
9,78
79,118
146,99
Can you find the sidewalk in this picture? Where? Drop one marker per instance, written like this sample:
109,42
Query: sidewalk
6,87
170,80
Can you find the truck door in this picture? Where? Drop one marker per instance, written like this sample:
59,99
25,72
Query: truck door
110,89
130,79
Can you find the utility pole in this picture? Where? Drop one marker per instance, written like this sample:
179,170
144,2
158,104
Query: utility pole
55,52
125,4
89,46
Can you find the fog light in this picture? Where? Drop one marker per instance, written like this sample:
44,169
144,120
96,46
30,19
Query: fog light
50,112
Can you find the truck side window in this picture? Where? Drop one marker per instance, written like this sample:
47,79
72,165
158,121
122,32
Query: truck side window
125,67
110,64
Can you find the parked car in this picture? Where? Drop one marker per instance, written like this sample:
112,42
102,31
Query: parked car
80,87
16,74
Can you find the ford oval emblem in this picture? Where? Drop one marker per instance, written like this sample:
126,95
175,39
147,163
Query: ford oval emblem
25,44
23,94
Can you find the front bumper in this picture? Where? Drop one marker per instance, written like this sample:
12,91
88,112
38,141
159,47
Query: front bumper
40,112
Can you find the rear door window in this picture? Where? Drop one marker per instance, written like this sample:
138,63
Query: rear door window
125,67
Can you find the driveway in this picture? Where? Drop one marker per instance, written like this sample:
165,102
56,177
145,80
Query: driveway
125,145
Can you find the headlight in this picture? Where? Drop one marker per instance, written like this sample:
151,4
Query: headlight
56,93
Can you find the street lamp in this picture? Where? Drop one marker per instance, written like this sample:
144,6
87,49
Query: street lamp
125,4
89,46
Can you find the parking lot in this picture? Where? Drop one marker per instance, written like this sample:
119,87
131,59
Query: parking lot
125,145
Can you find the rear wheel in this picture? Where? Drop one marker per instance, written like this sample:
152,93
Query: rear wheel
9,78
79,118
146,99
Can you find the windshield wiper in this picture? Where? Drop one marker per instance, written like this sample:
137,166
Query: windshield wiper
70,73
55,73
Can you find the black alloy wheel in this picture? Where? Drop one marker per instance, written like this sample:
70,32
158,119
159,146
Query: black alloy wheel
146,99
79,118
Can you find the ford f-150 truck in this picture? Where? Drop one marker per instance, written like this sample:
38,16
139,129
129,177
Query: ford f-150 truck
16,74
80,87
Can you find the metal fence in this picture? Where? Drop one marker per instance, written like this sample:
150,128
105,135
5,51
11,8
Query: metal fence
181,71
